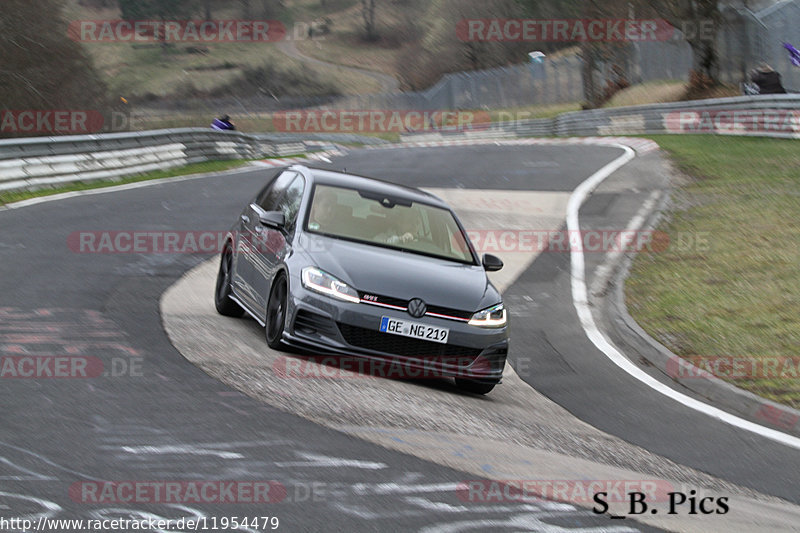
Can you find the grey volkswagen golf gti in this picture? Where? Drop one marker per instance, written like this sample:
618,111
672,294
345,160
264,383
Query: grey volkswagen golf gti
334,263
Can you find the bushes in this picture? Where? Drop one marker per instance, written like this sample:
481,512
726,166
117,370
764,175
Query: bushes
41,67
276,82
700,85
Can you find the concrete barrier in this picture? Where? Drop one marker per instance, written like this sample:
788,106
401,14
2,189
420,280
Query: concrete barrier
765,116
34,163
47,161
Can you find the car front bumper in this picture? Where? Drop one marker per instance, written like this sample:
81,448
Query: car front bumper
322,324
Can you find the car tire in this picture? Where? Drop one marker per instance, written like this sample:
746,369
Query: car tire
222,301
475,387
276,312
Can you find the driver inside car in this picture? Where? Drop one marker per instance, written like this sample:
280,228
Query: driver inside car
405,229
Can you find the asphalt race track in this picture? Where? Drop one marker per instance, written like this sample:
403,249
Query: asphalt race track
154,416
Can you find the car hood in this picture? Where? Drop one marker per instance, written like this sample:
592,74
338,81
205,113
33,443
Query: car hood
403,275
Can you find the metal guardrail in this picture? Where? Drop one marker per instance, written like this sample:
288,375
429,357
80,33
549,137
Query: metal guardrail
47,161
765,115
41,162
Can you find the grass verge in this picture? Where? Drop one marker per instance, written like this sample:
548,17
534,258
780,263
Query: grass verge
728,286
196,168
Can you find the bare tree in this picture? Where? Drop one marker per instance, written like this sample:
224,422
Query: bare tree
163,11
704,17
439,48
605,63
247,11
271,8
368,14
42,68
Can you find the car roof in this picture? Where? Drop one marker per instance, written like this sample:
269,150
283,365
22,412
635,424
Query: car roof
342,179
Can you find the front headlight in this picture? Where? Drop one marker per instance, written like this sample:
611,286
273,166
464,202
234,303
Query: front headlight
494,317
320,281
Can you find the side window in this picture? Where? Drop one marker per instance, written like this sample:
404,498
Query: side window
289,205
269,197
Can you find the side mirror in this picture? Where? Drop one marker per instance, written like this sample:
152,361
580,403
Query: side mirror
492,263
272,219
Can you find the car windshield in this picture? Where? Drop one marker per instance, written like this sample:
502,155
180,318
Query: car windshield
368,217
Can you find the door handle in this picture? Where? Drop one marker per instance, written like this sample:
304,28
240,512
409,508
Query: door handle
245,219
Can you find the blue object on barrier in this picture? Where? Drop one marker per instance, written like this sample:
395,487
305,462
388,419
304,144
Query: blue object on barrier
794,54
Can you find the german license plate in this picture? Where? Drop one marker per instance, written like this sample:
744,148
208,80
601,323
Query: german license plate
415,330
